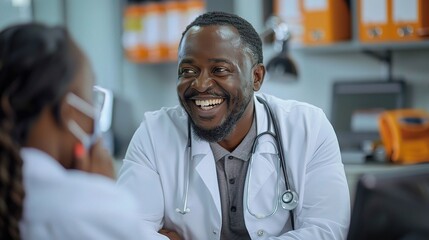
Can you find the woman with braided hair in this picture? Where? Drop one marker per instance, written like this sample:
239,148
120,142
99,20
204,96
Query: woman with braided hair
56,179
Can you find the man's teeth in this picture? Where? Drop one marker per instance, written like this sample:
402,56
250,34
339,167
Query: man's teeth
209,103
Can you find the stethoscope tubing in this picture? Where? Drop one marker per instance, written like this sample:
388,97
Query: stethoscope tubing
278,139
282,161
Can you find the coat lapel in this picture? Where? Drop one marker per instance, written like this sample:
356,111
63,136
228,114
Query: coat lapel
264,165
205,167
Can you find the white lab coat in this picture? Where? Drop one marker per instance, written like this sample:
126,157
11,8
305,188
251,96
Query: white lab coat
70,205
156,163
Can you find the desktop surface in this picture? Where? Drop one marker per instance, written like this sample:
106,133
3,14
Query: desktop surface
392,205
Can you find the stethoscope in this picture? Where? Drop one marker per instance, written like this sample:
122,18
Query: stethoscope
288,199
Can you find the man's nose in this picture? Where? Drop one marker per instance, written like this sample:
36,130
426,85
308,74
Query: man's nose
202,82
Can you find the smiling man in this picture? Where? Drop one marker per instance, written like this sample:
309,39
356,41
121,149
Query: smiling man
231,164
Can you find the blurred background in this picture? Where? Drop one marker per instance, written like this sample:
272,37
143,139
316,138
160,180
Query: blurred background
355,59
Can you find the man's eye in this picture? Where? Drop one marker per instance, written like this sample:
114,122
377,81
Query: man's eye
187,72
220,71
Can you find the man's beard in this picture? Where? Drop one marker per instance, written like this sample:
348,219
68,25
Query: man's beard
221,132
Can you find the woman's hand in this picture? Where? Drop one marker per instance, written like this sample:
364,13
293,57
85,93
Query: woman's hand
172,235
97,160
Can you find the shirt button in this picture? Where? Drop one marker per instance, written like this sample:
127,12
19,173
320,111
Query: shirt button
230,157
232,180
260,233
214,232
233,209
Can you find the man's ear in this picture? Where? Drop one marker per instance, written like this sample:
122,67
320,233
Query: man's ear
258,76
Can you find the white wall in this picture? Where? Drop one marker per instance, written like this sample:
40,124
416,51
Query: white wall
96,25
49,11
150,86
317,72
11,14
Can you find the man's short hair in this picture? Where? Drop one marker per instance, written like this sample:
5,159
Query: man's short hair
247,33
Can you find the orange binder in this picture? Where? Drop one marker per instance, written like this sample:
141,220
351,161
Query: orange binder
291,12
374,20
410,19
326,21
174,21
132,27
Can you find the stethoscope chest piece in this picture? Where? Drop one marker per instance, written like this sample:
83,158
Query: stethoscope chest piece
289,200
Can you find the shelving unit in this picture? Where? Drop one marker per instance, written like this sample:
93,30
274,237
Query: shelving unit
355,45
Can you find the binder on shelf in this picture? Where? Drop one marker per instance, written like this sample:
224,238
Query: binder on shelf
374,20
291,12
174,25
131,37
152,29
178,14
326,21
410,19
153,23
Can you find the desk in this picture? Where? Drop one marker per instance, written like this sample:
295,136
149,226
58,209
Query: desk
353,171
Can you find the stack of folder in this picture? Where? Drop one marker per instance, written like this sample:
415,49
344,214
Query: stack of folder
290,11
316,21
393,20
328,21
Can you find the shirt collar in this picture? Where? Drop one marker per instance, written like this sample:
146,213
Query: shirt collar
242,151
201,147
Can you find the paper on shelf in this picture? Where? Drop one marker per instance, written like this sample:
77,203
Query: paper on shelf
290,8
405,10
315,5
374,11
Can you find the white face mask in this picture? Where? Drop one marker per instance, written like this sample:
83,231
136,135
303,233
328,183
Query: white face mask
88,140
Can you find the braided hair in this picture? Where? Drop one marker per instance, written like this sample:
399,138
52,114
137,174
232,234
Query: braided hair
247,33
36,68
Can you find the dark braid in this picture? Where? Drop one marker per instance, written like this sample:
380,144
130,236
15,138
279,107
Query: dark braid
36,68
247,33
11,188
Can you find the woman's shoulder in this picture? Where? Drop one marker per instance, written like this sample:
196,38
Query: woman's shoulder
78,194
79,199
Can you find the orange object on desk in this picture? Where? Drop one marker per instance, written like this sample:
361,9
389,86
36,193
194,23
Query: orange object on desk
405,135
374,17
326,21
410,19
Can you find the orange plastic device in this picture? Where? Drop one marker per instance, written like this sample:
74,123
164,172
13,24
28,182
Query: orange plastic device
405,135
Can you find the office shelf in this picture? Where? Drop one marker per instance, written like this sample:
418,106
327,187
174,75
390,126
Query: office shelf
355,46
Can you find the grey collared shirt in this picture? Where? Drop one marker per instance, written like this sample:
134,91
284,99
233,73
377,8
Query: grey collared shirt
231,168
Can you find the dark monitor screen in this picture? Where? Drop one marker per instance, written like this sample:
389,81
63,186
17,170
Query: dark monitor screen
355,106
392,205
